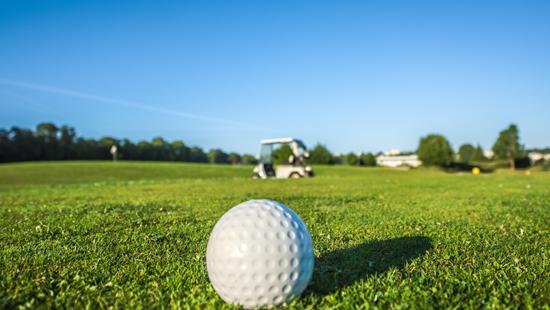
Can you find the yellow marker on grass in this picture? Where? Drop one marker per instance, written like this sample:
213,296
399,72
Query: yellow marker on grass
475,170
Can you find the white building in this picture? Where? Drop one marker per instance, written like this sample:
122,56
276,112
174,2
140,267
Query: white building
488,153
393,158
538,156
392,152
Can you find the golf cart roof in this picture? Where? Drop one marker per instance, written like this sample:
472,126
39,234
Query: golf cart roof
280,140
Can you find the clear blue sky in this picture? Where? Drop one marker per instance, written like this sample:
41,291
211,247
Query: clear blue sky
355,75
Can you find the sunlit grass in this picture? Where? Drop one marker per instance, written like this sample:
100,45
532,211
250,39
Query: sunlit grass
126,234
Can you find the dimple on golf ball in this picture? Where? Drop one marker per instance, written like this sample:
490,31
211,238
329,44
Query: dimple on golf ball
259,254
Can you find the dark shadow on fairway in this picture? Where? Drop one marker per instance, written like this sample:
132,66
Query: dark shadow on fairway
341,268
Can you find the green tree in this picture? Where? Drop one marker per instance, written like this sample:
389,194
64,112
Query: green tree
128,150
281,154
367,159
478,154
248,159
197,155
352,159
435,150
103,147
23,145
320,155
217,156
48,131
67,141
5,146
158,141
161,149
339,159
47,141
234,158
507,145
179,151
145,150
108,141
466,153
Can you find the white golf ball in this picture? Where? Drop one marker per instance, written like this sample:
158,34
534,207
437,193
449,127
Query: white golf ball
260,254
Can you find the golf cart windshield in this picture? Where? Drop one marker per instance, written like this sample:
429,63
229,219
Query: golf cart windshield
266,154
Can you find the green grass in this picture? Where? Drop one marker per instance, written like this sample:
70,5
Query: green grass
128,235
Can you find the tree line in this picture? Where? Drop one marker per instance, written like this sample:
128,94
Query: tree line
435,150
51,142
320,154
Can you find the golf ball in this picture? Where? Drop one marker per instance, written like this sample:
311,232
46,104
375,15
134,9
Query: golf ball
259,254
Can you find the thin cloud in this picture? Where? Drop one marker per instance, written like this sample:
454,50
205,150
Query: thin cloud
120,102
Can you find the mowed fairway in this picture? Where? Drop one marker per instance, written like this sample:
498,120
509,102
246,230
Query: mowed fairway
101,234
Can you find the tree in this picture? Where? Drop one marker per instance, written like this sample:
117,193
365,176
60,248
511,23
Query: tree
145,150
320,155
48,131
248,159
217,156
67,140
435,150
281,154
367,159
128,150
507,145
161,149
197,155
179,151
104,147
234,158
466,153
352,159
107,141
338,159
24,145
47,142
5,146
51,142
478,154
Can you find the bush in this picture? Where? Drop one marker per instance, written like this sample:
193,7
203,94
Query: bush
522,162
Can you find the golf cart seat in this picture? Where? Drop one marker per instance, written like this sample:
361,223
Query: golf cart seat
269,171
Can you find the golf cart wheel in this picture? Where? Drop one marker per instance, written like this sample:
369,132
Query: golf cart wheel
295,175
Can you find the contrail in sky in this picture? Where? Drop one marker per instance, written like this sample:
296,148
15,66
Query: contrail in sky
120,102
27,102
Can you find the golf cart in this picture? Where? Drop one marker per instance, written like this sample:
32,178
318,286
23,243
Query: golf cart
292,167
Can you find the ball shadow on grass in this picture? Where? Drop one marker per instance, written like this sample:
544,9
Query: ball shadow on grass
341,268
